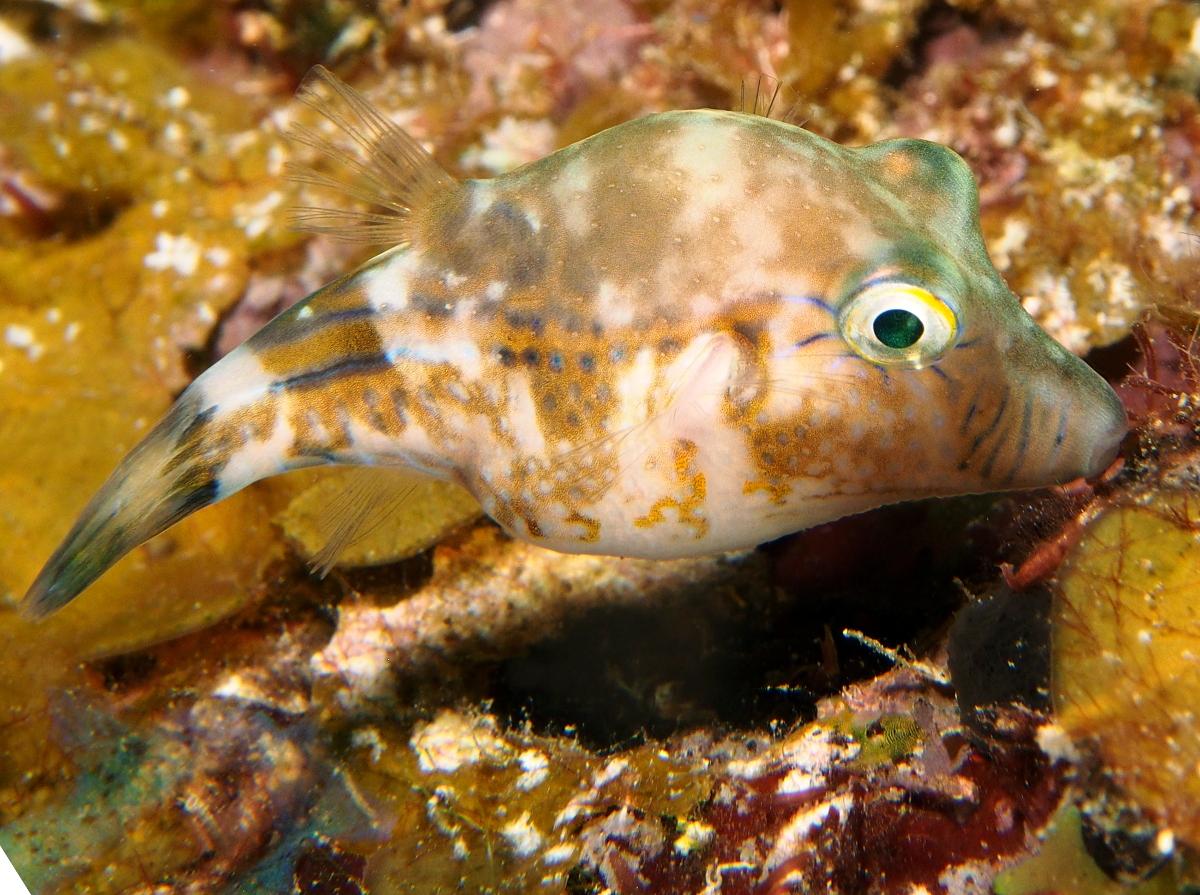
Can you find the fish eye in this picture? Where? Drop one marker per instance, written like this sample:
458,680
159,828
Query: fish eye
899,324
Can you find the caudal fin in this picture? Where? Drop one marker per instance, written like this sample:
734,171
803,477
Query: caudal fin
163,479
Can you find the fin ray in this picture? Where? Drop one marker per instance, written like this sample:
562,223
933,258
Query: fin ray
371,496
393,171
766,96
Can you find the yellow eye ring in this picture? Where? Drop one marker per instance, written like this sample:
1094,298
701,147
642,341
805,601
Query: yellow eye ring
899,324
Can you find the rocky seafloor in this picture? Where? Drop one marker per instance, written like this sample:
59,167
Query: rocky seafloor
872,706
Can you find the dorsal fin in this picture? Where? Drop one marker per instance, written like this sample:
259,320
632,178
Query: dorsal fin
767,97
392,172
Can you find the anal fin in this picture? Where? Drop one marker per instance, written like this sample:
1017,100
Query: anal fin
361,516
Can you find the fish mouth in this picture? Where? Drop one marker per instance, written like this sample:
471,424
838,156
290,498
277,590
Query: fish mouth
1099,425
1086,425
1108,440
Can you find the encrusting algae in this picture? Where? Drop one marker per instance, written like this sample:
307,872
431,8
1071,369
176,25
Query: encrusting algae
694,332
304,743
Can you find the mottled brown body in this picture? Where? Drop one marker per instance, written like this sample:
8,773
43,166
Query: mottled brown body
694,332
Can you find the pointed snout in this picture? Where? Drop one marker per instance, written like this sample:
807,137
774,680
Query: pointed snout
1074,422
1039,416
1110,425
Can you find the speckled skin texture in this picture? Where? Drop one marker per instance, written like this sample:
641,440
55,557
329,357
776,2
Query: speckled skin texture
639,346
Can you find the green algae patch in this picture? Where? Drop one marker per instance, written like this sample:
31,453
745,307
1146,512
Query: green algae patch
1063,866
898,736
370,517
1126,653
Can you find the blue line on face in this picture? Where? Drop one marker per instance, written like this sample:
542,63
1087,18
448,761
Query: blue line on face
811,300
804,343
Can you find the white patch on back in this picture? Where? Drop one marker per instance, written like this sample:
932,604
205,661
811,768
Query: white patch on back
482,196
713,170
257,459
571,191
613,307
385,281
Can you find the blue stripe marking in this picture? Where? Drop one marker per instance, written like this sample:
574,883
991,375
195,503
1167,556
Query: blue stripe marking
811,300
804,343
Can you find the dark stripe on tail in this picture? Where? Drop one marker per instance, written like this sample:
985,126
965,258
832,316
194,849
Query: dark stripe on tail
353,366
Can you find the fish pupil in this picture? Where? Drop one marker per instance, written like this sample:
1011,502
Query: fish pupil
898,328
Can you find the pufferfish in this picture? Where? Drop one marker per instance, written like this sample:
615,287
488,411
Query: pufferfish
694,332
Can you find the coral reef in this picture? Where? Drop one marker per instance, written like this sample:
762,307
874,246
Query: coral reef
883,787
214,719
489,597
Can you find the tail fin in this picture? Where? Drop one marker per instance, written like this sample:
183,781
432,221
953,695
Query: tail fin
217,437
161,481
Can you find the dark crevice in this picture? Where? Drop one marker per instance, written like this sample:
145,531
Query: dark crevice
937,20
763,649
463,14
999,654
386,585
74,215
1114,362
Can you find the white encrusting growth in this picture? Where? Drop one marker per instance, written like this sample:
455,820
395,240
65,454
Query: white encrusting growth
523,835
535,768
179,253
559,854
23,337
256,218
453,740
791,839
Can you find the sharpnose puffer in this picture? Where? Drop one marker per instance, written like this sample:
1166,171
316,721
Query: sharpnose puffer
693,332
